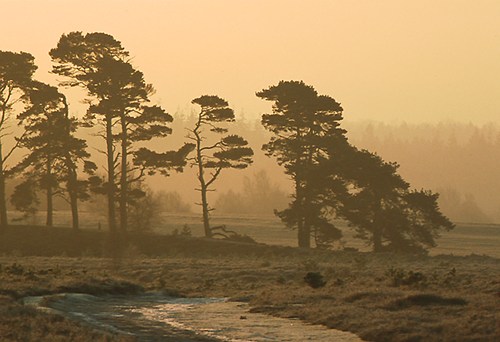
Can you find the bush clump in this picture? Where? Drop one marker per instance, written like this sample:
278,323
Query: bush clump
398,277
314,280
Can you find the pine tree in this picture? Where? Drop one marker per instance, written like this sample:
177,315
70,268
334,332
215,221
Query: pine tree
226,152
54,151
384,210
305,125
16,73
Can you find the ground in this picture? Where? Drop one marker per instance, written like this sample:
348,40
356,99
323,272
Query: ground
380,297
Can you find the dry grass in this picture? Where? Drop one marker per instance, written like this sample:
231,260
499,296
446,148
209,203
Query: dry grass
379,297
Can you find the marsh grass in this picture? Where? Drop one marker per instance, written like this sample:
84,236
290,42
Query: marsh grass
453,298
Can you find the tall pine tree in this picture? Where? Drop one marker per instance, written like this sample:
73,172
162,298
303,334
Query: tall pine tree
215,151
304,125
16,73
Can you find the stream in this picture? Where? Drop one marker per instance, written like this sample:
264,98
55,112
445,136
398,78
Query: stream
155,317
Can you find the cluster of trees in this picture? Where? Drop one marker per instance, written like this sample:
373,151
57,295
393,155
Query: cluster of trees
118,99
331,178
334,179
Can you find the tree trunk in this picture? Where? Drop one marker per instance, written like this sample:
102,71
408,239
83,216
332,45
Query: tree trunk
73,200
114,236
304,237
3,201
123,178
204,204
72,181
305,233
50,205
303,228
111,176
377,230
203,188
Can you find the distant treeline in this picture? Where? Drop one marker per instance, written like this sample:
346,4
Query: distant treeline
457,160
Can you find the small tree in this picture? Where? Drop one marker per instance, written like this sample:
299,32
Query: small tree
226,152
25,199
16,72
54,150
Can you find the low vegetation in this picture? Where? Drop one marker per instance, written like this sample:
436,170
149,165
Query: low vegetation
379,296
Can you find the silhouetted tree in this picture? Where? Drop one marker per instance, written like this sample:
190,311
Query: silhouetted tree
118,94
304,124
383,209
54,150
229,151
126,94
80,57
16,72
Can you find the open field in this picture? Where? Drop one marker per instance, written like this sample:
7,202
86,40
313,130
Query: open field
465,239
380,297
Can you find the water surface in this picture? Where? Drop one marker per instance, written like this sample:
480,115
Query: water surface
154,317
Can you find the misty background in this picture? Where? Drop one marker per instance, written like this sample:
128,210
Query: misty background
418,81
457,160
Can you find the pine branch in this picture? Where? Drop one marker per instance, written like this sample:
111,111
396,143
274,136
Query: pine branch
217,144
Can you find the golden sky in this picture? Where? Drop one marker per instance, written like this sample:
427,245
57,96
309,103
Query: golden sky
384,60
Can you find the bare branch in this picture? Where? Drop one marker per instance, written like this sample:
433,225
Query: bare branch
18,142
214,176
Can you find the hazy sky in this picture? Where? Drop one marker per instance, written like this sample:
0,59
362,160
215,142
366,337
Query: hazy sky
391,60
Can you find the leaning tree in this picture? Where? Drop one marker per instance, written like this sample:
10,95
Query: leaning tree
384,211
16,73
304,125
215,151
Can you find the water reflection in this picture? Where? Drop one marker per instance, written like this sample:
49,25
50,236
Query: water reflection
154,317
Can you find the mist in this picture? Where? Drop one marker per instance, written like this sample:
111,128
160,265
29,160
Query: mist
457,160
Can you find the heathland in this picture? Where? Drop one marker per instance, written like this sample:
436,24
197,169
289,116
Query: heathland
378,296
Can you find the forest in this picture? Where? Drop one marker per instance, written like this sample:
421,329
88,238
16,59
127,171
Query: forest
330,177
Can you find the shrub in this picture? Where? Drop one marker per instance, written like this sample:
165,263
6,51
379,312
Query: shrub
400,277
314,280
186,231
